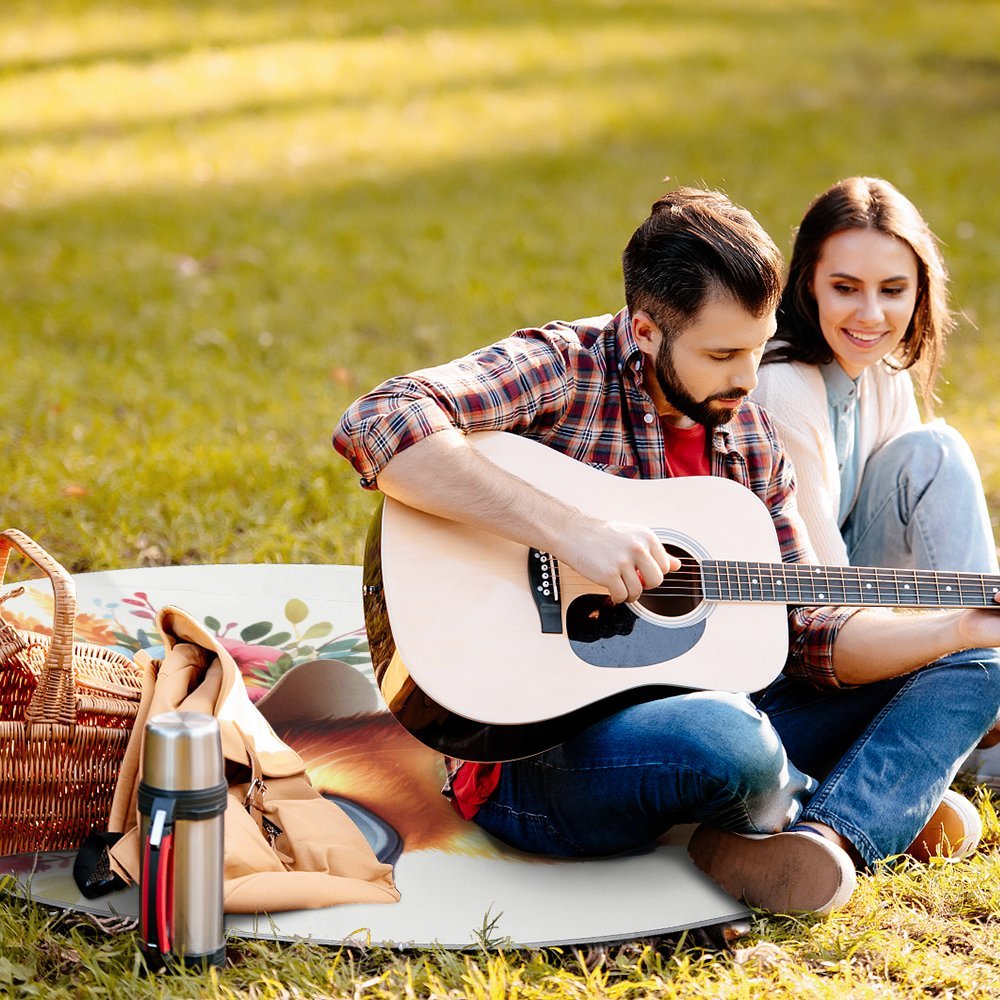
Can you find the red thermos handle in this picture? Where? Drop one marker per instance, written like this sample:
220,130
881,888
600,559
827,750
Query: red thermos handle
156,903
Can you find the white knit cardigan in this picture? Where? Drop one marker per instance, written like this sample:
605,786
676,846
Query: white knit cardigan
794,395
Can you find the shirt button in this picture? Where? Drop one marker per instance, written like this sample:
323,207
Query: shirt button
648,418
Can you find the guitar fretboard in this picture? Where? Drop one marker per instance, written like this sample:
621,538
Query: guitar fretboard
794,583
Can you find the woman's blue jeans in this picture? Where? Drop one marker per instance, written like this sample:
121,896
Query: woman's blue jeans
921,506
885,752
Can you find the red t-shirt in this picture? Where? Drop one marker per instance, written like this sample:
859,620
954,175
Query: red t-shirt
686,455
686,450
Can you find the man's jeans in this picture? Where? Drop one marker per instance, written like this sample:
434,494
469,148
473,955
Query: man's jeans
620,784
883,754
872,761
886,752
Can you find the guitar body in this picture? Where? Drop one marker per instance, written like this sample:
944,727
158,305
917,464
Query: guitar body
456,629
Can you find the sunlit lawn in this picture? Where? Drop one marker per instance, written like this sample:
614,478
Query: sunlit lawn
222,221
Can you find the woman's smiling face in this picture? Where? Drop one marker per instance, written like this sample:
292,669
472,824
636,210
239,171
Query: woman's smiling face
865,285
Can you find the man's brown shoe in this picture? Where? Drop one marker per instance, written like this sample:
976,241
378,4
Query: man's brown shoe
953,832
790,872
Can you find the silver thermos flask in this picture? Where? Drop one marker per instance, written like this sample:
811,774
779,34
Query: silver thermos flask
182,802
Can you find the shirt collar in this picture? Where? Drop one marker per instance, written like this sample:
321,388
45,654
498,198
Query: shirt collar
722,440
631,358
840,387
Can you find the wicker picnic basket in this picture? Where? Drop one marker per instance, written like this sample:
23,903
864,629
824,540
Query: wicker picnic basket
66,711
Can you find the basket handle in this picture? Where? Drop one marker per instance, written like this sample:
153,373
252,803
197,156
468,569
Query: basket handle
54,700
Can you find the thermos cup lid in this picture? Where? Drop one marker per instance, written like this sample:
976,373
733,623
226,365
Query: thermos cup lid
182,752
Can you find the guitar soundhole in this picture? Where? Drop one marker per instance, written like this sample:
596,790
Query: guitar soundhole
680,593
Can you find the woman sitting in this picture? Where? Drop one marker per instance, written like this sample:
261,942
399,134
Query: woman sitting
865,304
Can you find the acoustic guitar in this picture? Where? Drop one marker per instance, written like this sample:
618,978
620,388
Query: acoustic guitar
485,649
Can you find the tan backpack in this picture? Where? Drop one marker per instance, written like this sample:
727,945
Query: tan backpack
286,847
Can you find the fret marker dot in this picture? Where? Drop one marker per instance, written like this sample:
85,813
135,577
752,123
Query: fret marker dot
753,579
868,586
780,582
906,586
823,596
947,588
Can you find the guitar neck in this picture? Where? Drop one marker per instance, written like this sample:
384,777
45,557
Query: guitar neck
801,583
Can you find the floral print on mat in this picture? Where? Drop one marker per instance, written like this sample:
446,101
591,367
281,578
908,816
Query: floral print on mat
262,650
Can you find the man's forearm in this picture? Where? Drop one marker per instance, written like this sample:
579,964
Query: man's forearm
444,475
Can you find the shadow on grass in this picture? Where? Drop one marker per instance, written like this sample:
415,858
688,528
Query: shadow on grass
228,25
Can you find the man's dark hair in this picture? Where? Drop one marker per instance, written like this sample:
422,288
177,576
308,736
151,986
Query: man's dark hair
694,244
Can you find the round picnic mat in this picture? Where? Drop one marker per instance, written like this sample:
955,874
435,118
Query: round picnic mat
297,634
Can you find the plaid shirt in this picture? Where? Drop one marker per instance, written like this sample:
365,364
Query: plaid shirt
577,387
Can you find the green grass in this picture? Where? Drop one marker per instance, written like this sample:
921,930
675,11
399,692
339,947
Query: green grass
221,221
909,932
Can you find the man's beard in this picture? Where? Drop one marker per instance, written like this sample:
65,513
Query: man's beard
680,399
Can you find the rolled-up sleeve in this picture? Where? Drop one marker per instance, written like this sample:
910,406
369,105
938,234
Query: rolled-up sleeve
515,384
382,423
812,632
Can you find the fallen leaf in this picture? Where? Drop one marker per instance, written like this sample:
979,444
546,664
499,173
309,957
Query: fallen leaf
765,954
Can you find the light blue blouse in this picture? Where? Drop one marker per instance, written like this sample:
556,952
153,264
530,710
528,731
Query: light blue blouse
842,402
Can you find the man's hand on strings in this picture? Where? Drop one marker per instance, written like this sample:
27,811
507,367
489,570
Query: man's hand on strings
624,558
980,627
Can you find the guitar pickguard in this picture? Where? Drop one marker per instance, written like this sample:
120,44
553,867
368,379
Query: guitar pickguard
613,635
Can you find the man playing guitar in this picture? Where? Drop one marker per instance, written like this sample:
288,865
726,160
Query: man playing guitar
840,762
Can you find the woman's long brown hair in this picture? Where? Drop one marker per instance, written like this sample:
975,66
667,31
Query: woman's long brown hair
866,203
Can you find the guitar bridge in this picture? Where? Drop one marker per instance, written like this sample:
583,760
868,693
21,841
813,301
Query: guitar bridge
543,578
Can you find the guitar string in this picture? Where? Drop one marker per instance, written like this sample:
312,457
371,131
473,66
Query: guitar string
849,600
680,582
688,581
803,572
